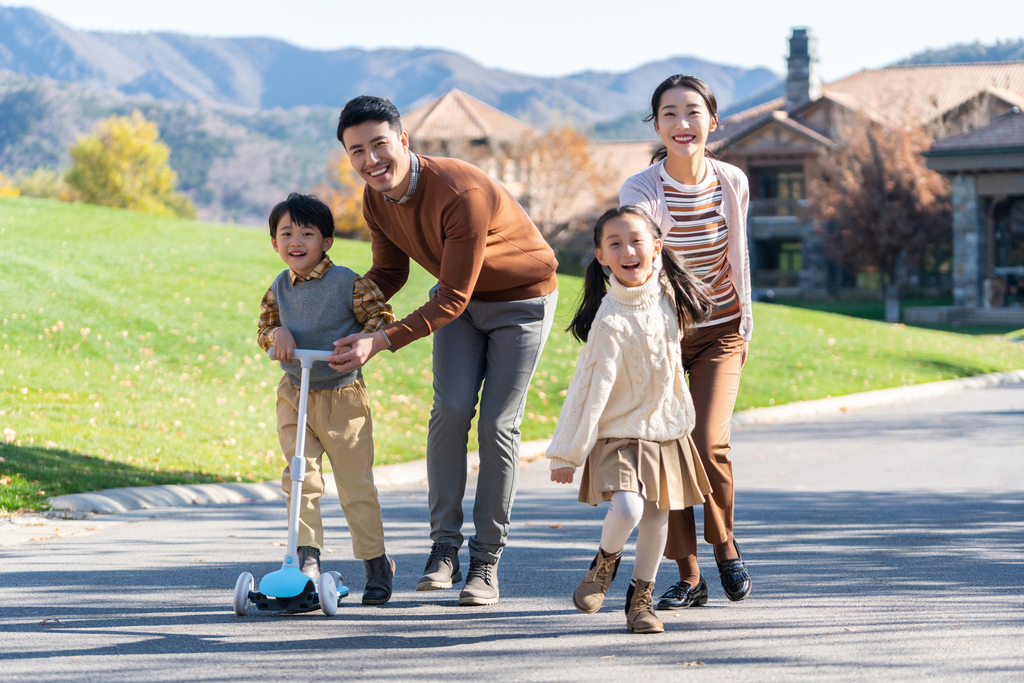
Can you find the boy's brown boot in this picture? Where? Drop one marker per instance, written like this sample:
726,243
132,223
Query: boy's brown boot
640,617
589,595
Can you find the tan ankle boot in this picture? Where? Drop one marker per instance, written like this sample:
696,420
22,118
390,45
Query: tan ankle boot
640,617
589,595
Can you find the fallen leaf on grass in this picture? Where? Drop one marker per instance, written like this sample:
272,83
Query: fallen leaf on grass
4,481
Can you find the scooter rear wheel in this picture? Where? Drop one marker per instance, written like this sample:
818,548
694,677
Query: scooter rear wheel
242,588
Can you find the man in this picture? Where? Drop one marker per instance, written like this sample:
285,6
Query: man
490,315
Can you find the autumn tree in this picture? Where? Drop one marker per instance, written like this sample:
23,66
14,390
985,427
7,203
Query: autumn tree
561,179
878,205
343,192
124,164
7,188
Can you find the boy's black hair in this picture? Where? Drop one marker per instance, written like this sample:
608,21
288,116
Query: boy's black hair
368,108
305,209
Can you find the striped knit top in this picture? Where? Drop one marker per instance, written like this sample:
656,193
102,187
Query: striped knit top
699,238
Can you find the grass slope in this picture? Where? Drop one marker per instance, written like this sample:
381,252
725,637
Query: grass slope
128,355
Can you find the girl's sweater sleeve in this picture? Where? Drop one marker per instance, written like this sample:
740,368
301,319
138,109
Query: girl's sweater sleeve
599,364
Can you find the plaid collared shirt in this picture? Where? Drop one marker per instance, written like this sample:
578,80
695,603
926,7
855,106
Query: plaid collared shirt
414,174
368,305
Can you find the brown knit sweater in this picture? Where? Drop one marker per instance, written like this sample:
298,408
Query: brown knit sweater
466,230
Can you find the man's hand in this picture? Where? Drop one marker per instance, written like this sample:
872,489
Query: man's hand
360,349
284,344
562,475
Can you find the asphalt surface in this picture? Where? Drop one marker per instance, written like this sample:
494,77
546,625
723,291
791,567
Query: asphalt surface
884,543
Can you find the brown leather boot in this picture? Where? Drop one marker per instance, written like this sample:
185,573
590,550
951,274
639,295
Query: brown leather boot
640,617
589,595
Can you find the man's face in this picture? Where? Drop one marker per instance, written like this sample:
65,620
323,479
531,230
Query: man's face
380,156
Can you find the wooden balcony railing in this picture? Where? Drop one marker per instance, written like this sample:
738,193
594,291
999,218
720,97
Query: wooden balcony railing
772,208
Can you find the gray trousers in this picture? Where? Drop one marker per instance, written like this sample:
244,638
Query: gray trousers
497,345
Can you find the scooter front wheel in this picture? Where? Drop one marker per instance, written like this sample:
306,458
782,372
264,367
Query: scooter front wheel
242,588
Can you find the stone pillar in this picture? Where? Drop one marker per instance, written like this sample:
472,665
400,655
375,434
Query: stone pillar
968,231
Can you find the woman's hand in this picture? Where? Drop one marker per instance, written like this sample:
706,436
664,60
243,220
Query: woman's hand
562,475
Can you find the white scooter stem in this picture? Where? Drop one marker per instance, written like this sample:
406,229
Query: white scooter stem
297,470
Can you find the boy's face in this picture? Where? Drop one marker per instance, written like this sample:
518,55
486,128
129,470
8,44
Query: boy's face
300,246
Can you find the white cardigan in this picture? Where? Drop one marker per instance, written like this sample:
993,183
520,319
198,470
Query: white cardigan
645,190
629,381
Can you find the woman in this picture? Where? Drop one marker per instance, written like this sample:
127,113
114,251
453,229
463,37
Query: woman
701,204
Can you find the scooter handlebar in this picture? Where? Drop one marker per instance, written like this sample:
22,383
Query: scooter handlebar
305,356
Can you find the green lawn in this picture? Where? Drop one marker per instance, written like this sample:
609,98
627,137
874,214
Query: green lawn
128,354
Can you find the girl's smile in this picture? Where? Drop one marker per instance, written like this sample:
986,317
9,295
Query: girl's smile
629,249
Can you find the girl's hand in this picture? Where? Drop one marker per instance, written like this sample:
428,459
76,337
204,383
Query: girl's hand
562,475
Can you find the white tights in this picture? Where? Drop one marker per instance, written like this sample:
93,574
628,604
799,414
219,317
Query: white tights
629,509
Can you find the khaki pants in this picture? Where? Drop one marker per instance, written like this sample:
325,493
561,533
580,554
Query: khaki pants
713,358
338,423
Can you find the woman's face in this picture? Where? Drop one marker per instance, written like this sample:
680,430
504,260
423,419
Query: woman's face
683,122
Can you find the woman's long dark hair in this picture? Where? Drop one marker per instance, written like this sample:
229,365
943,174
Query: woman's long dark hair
690,83
689,297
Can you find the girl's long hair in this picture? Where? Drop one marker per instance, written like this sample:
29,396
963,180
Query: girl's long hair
690,83
689,296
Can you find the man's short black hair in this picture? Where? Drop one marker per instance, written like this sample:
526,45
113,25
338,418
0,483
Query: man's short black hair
305,209
368,108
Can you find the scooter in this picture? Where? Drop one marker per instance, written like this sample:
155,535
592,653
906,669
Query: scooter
288,589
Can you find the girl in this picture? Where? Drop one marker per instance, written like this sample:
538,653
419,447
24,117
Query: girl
700,204
628,413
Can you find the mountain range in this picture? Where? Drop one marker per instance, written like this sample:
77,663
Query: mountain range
263,73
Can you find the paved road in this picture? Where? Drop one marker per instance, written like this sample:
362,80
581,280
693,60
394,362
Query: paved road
884,544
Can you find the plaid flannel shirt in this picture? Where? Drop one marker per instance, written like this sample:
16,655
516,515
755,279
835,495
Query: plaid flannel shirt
368,305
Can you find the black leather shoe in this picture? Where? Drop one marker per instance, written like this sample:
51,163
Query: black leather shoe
682,595
734,575
379,573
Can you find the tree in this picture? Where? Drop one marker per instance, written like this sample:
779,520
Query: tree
343,192
124,164
7,188
561,179
878,205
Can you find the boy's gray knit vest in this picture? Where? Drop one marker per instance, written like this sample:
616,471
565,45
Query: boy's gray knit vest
318,312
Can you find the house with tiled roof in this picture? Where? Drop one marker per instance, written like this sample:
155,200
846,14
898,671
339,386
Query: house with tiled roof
986,171
779,144
461,126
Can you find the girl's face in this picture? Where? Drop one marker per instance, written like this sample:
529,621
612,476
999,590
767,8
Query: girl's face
629,249
683,122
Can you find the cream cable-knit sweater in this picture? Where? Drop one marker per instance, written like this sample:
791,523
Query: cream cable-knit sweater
629,377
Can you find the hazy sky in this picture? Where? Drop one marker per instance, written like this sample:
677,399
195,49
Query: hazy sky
556,37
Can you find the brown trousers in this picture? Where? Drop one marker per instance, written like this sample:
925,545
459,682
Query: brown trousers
337,423
713,359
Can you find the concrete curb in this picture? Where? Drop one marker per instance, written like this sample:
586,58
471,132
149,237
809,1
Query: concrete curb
415,472
803,410
179,495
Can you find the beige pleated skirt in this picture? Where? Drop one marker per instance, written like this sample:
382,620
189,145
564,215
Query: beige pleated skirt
668,473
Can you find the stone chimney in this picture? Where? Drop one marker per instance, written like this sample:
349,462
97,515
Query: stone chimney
803,81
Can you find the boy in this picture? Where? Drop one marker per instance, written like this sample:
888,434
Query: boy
309,306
